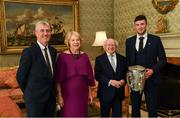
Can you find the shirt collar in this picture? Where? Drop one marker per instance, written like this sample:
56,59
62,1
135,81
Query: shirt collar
41,46
145,35
108,54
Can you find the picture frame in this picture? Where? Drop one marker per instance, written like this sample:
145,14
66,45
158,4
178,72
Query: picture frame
18,18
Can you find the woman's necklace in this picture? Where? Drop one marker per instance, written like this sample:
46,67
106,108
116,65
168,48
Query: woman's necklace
76,56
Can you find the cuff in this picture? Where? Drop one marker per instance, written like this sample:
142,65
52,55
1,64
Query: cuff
109,83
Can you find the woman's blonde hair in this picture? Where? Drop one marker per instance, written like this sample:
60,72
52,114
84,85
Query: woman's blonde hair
69,35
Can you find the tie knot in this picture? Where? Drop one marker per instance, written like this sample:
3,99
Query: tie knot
141,38
45,48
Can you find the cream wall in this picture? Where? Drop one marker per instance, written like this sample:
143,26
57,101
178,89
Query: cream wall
126,10
95,15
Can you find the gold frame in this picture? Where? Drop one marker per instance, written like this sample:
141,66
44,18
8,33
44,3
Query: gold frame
164,6
6,43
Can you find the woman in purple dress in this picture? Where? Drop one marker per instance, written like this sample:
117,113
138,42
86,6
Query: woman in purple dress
74,77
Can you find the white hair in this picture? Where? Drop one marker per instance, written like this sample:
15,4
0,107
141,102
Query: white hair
42,22
116,42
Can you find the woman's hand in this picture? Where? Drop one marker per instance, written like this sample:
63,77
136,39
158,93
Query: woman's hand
90,97
60,99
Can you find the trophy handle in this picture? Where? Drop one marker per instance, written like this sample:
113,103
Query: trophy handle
142,81
128,76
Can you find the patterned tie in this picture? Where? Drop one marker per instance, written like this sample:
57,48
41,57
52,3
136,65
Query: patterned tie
48,62
141,44
112,62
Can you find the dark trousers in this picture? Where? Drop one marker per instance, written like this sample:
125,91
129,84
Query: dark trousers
150,96
115,104
46,109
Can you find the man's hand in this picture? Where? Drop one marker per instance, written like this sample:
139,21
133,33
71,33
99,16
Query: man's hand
148,73
121,82
60,101
115,83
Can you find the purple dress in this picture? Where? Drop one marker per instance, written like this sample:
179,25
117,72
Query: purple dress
75,76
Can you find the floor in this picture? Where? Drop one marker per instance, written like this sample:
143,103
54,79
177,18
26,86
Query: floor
161,114
125,115
143,113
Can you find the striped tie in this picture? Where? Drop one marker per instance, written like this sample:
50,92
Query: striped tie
112,62
48,62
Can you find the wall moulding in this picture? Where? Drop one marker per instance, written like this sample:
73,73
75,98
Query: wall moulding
171,43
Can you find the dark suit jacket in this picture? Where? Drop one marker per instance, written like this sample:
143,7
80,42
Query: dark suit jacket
104,73
155,54
32,75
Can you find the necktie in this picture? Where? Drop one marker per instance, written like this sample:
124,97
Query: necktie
48,62
141,44
112,62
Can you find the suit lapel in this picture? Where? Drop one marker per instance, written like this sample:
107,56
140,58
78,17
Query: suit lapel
118,63
107,62
53,57
39,52
148,46
133,52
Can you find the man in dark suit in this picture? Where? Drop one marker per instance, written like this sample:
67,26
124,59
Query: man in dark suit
110,72
146,50
35,74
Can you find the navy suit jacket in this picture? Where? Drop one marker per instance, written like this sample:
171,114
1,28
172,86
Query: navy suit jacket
155,54
104,73
32,75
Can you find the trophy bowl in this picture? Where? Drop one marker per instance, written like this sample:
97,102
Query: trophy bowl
136,78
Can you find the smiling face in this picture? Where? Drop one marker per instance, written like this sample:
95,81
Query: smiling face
43,33
110,46
74,42
140,26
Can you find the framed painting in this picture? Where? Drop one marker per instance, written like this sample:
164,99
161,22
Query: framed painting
18,18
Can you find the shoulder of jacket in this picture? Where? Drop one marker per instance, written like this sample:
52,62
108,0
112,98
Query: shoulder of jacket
100,56
52,48
153,36
130,38
120,56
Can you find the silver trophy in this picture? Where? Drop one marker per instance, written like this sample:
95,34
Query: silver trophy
136,78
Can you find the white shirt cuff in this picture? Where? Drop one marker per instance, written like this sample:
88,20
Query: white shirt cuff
109,83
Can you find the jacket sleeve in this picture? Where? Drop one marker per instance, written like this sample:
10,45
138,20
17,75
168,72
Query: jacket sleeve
127,52
99,74
24,68
161,58
125,69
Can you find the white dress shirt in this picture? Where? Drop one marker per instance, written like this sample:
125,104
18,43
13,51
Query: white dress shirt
144,41
42,50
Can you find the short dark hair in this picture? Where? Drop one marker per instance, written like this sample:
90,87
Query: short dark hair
140,17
